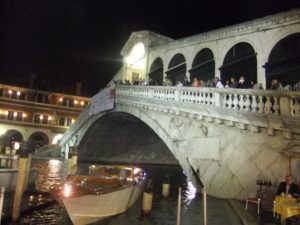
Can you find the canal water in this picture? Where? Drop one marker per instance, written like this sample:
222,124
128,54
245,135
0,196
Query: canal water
163,211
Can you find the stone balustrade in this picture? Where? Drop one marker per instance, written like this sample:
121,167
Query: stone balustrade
284,103
8,161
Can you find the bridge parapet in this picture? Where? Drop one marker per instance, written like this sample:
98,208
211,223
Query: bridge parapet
245,108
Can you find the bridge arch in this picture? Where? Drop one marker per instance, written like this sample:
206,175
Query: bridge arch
283,61
156,73
176,68
203,66
135,127
240,60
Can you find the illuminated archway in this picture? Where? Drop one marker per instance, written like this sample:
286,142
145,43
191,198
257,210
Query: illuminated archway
156,72
239,61
11,137
57,139
203,66
38,139
283,61
176,69
135,62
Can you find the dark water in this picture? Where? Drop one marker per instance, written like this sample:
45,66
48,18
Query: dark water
163,211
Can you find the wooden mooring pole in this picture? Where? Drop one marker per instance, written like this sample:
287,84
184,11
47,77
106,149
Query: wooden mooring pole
204,206
22,177
178,207
2,191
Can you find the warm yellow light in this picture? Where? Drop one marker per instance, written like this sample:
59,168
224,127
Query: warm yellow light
61,99
72,121
15,114
82,103
50,118
24,115
75,102
16,145
41,117
67,190
137,56
1,112
2,131
18,93
6,113
10,92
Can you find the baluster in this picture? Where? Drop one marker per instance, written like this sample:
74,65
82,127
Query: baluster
199,97
224,101
235,101
208,98
229,102
183,96
191,100
260,104
212,99
268,105
276,105
247,103
242,102
296,108
202,97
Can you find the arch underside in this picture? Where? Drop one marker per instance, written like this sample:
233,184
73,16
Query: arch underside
119,137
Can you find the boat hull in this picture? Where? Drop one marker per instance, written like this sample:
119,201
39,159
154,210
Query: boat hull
87,209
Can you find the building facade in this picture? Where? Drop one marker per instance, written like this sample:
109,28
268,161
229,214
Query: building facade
37,117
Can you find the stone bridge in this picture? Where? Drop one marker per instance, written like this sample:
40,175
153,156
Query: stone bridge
232,137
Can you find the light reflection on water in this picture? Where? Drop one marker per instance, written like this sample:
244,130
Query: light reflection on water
163,210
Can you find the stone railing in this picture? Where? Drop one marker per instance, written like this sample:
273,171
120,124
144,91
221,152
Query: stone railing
81,119
284,103
8,161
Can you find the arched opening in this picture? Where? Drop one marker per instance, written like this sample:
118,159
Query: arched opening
156,74
135,62
203,66
283,62
122,138
176,69
239,61
57,138
38,139
10,138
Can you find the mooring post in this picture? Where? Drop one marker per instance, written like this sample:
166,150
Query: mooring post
166,187
178,207
21,182
2,191
29,159
147,198
204,206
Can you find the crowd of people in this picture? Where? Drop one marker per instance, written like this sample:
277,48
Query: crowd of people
241,83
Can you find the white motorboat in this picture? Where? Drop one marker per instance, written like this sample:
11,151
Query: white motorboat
105,191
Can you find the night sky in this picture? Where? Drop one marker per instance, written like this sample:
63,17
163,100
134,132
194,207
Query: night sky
64,42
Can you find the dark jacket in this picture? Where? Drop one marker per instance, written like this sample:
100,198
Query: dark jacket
293,190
